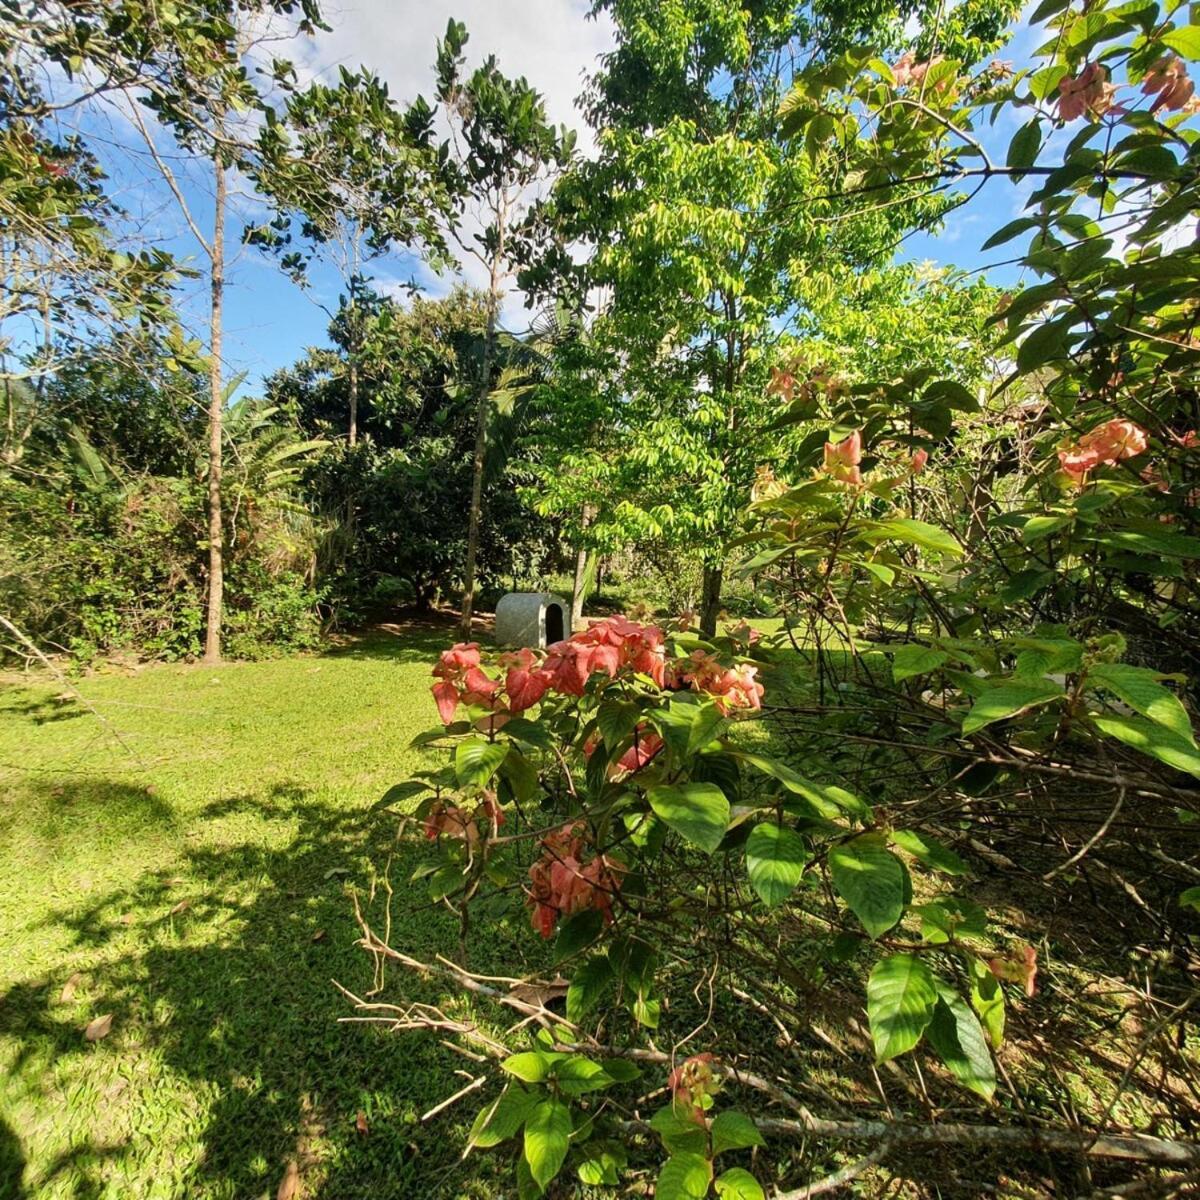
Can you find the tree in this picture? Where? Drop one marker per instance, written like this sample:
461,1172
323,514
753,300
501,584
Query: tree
694,212
501,147
354,178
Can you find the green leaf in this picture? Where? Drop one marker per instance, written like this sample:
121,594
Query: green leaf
476,760
929,851
1008,699
1190,898
908,661
1185,41
532,1066
733,1131
616,720
1044,343
501,1119
399,792
1139,688
871,881
987,999
698,812
1007,232
684,1177
738,1184
547,1135
901,997
604,1164
1150,542
1023,149
679,1133
957,1036
1151,739
576,1075
775,858
588,985
621,1070
916,533
827,800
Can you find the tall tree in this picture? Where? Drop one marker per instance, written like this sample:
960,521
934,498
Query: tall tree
354,177
501,148
706,223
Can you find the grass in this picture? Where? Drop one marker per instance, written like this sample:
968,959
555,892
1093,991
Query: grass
182,863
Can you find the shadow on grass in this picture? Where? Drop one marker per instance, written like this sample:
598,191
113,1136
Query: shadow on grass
226,1059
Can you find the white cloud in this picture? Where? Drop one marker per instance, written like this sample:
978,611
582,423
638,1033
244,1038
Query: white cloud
550,42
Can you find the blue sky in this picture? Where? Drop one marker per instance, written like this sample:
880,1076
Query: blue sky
270,321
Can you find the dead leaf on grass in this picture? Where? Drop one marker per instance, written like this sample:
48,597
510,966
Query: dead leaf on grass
360,1123
127,918
69,987
99,1028
540,993
289,1185
319,936
182,906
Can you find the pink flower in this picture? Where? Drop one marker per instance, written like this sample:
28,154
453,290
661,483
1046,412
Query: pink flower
917,462
782,383
731,688
1018,966
646,746
842,459
525,681
1168,79
561,884
462,681
1110,443
691,1083
908,71
1088,92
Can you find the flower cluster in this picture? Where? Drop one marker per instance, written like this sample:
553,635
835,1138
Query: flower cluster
561,884
606,646
692,1085
1088,93
462,681
731,688
1018,966
1107,444
842,459
449,820
909,72
1168,80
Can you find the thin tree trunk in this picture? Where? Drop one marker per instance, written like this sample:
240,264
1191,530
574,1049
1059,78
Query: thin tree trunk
581,559
710,599
481,414
581,570
216,400
353,397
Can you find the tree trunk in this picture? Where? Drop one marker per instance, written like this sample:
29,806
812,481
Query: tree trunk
581,559
581,570
710,600
216,401
481,415
353,398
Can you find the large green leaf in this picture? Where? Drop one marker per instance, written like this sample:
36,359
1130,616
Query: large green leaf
1151,739
901,997
588,985
908,661
738,1184
698,812
775,858
957,1036
684,1177
987,999
502,1119
1139,688
476,760
1008,699
532,1066
679,1133
871,881
930,851
827,799
915,533
733,1131
547,1135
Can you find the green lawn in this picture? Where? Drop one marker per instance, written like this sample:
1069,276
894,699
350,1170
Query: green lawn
180,857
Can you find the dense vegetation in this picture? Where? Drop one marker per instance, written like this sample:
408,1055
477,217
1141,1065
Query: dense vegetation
953,787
